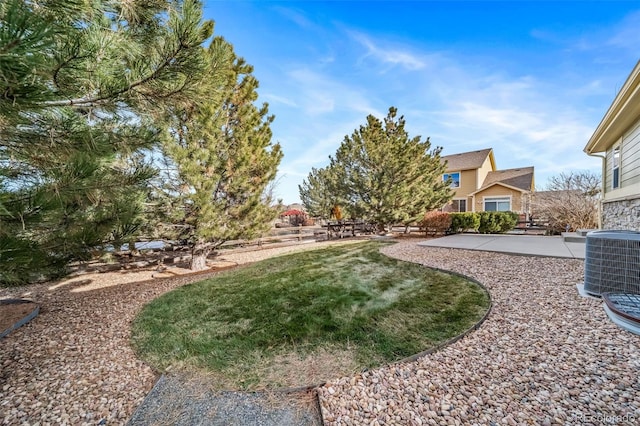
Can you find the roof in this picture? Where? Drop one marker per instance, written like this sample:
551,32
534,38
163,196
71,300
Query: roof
520,179
623,112
469,160
293,212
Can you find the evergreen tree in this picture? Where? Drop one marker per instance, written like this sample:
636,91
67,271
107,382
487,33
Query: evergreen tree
318,193
82,84
386,177
224,159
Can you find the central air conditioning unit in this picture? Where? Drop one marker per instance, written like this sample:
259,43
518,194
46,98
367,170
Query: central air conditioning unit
612,262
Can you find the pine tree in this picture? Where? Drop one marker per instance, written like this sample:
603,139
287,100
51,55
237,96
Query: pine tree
384,176
82,86
318,194
224,159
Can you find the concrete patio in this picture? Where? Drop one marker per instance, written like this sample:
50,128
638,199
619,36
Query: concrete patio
531,245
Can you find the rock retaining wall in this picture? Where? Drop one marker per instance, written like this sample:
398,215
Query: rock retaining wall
624,214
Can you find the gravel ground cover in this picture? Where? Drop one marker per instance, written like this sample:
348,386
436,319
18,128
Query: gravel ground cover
177,400
543,356
73,363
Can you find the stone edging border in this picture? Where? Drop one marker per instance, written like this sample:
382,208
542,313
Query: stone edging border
24,320
454,339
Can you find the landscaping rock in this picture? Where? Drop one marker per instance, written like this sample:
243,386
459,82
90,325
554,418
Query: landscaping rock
541,347
73,363
543,356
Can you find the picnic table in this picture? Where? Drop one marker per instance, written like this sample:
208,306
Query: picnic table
348,228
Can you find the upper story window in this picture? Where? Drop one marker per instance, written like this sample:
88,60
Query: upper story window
615,181
455,179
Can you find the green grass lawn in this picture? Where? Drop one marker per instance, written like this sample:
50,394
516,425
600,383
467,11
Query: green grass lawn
307,317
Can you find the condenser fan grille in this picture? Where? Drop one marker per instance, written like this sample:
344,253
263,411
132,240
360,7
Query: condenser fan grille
612,262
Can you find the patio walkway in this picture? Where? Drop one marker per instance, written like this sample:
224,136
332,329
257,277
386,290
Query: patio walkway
533,245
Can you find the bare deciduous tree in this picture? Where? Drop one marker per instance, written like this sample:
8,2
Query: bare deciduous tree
586,182
569,201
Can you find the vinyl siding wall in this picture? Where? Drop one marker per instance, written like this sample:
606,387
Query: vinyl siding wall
629,163
621,206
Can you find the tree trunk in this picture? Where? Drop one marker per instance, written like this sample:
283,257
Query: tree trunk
199,254
132,247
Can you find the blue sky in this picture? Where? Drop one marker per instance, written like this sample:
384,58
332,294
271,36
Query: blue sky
531,80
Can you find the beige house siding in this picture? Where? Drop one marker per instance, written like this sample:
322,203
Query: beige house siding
467,183
499,191
608,174
481,173
630,156
629,163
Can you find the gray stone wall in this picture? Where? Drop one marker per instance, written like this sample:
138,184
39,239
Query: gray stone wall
624,214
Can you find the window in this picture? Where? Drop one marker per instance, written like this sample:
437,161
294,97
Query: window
459,205
497,204
615,182
455,179
455,206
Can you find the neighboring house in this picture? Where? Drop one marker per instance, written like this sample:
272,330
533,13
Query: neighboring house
467,171
506,190
478,186
617,141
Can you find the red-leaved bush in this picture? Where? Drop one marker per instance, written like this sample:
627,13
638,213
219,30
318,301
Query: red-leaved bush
435,223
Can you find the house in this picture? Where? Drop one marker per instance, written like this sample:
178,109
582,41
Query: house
617,141
505,190
478,186
467,172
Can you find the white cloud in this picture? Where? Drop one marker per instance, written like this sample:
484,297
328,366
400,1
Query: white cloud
388,55
296,16
524,120
320,94
528,116
625,35
273,98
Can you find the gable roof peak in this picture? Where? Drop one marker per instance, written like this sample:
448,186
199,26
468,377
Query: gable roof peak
468,160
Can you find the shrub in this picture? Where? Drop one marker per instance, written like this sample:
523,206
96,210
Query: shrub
510,220
497,222
461,222
566,210
435,222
